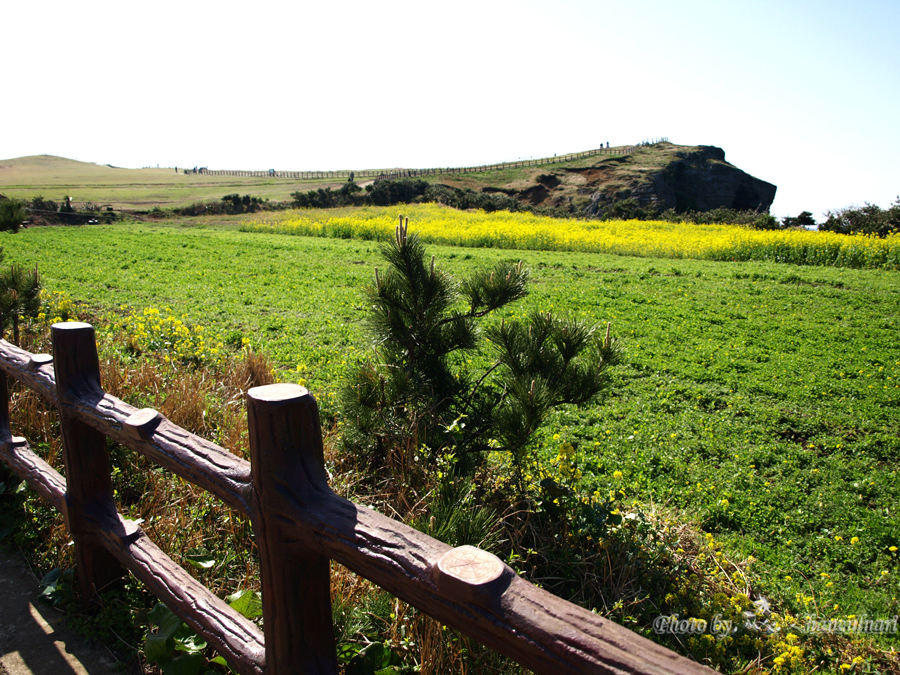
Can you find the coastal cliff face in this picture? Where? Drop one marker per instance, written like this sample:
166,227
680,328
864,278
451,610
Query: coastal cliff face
662,176
694,180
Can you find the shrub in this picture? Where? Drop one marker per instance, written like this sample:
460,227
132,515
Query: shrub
12,214
326,198
420,398
805,219
628,209
868,219
43,206
239,204
20,292
766,222
395,191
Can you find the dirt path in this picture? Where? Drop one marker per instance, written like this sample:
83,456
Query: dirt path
33,637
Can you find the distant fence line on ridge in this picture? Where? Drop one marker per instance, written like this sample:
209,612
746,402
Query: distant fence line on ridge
381,174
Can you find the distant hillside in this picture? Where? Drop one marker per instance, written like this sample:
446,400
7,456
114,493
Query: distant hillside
129,189
663,176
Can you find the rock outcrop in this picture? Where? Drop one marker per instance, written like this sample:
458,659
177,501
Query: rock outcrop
694,180
655,177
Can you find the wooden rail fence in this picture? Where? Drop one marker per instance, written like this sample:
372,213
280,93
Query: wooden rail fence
382,174
299,525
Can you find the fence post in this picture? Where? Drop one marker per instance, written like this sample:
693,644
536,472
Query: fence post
287,466
4,403
89,492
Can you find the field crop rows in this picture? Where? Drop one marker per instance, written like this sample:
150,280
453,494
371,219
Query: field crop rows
758,400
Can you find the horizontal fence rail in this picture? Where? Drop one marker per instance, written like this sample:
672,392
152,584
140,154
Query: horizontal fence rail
300,525
386,174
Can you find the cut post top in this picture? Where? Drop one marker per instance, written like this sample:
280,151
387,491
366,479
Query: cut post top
71,325
284,391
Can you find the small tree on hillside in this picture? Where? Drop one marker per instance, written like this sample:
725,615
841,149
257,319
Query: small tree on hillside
420,396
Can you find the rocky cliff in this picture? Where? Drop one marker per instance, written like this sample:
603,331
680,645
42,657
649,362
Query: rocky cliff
661,176
692,180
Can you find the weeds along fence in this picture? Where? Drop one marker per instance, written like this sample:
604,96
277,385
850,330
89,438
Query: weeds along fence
381,174
299,525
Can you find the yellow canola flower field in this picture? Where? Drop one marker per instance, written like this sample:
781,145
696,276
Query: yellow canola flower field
657,239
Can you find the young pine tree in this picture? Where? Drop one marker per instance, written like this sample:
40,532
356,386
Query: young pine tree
402,406
20,295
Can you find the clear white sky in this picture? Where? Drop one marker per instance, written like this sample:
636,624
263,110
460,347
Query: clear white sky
805,95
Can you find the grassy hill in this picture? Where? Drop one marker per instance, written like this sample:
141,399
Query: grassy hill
659,176
142,189
130,189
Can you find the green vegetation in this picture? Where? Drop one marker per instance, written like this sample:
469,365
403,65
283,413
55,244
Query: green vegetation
756,403
19,296
12,213
868,219
418,395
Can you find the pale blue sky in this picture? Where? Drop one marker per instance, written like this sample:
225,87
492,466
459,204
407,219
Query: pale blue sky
801,94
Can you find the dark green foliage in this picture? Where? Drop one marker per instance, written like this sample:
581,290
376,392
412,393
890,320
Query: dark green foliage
417,399
548,362
395,191
455,513
716,216
413,392
46,211
39,205
229,204
868,219
766,221
628,209
327,198
12,213
632,209
805,219
20,296
466,198
245,204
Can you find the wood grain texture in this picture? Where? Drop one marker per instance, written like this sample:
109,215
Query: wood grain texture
230,634
202,462
297,516
43,478
88,476
286,447
98,528
499,609
18,364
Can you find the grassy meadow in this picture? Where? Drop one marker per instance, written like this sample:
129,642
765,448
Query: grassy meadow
134,189
144,189
758,402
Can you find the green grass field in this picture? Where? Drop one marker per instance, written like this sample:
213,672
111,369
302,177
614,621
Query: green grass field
758,401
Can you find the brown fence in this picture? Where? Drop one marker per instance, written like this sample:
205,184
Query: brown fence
299,525
381,174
